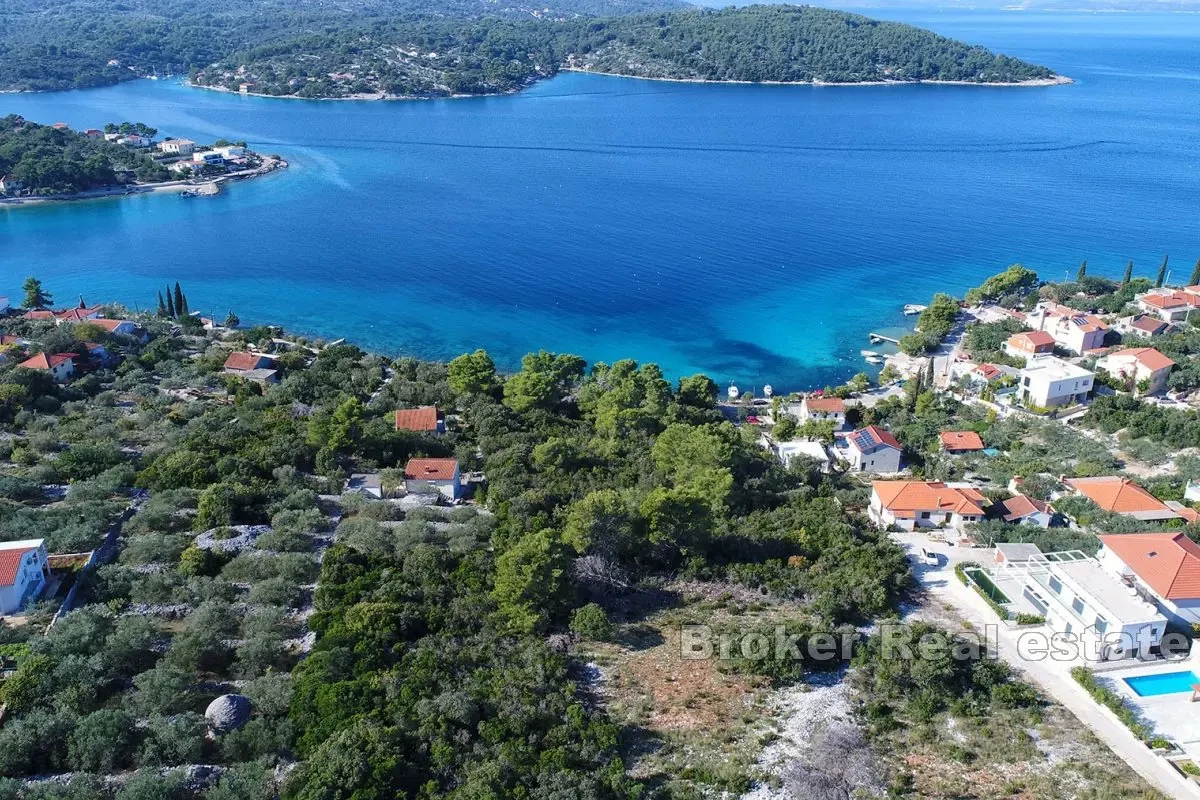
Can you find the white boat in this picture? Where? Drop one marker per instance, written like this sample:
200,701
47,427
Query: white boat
867,353
876,359
912,309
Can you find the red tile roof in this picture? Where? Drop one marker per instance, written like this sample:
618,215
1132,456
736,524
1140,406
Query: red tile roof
425,418
961,440
38,313
10,562
1165,301
1150,325
109,325
877,436
1169,563
430,469
825,405
45,361
1148,357
1116,494
1021,506
1031,340
245,361
77,314
904,498
989,372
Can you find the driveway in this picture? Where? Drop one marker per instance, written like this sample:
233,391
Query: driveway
1052,677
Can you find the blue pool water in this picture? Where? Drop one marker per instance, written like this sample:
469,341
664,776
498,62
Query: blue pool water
753,232
1169,683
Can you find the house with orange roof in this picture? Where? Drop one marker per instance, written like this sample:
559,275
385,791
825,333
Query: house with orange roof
81,313
986,373
61,366
1169,305
24,571
1165,567
909,505
1073,330
823,409
1121,496
1028,344
1143,326
426,475
869,449
959,442
252,366
38,313
1021,509
1145,367
123,327
425,419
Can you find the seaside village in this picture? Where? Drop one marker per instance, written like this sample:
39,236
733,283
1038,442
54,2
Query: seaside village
1035,449
183,157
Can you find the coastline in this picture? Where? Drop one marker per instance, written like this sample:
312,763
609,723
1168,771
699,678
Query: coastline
1055,80
268,166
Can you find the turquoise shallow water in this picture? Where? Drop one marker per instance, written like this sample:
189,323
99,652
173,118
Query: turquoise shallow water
754,232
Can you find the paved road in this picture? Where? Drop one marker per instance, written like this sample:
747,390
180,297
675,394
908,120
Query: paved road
1052,677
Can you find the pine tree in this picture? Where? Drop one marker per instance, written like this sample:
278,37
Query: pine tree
35,295
1128,274
1162,273
180,303
1195,274
162,307
170,304
1082,271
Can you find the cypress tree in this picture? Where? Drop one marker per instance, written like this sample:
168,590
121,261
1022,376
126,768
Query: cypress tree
928,375
180,305
1195,274
1128,274
170,304
1162,272
162,307
1082,271
186,310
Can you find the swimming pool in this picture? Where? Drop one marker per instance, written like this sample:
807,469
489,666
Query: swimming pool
1168,683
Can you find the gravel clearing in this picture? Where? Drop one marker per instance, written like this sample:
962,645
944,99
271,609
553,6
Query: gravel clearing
800,711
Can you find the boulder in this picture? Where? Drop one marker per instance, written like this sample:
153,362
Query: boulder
228,712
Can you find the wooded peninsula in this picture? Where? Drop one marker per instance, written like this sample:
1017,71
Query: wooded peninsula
414,50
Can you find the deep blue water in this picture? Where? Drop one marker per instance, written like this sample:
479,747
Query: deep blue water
753,232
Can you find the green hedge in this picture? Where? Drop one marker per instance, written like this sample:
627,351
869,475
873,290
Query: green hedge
1112,701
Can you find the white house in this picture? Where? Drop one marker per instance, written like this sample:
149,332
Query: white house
1142,326
1047,381
1074,331
24,570
1163,567
786,451
1077,596
923,504
422,475
823,409
61,366
870,449
231,150
177,147
1139,364
1168,305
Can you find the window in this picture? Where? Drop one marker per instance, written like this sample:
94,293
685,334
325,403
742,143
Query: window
1055,585
1077,604
1101,625
924,515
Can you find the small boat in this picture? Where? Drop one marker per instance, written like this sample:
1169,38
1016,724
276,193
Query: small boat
876,359
867,353
912,309
876,338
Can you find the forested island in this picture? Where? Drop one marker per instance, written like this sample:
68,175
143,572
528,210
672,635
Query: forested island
369,50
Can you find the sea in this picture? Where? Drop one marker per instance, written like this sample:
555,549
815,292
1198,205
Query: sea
754,233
